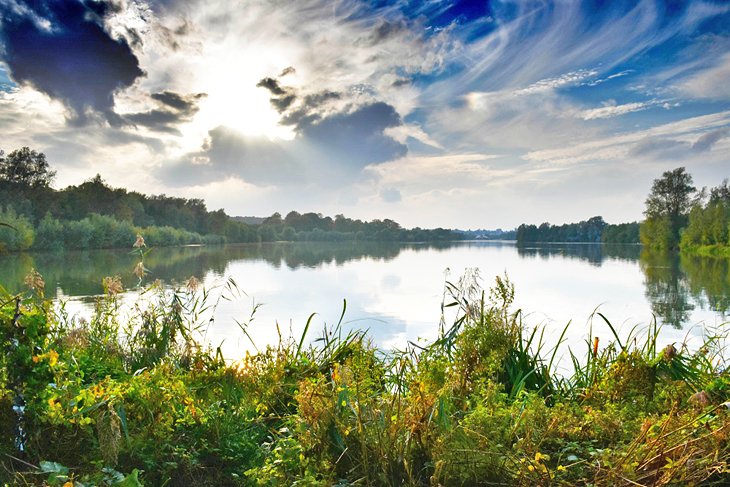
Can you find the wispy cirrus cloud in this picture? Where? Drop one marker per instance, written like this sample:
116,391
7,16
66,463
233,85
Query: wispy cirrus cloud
612,110
705,130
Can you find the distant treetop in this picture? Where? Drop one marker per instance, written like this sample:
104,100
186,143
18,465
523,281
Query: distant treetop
26,167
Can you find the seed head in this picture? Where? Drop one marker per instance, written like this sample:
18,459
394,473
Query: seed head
139,243
35,281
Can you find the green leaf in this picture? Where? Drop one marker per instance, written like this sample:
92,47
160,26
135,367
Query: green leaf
53,467
131,480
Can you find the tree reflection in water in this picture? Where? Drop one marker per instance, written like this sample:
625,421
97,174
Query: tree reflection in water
667,288
674,284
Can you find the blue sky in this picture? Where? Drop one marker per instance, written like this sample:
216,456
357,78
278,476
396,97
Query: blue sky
441,113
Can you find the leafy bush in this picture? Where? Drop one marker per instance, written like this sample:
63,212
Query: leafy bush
16,232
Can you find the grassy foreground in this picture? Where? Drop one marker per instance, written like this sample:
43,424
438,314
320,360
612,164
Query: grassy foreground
106,402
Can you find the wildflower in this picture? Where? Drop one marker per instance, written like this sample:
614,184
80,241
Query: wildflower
69,483
561,468
97,390
139,270
531,468
51,355
35,281
139,243
52,358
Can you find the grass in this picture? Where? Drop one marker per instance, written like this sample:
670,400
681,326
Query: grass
145,403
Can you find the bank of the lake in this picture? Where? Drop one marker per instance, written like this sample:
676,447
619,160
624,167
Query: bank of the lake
140,402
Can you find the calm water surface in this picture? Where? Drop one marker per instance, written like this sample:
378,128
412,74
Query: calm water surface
395,291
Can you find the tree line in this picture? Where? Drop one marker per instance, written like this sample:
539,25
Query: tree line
677,216
95,215
593,230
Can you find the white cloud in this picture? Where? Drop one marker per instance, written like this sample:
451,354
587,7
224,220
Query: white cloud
712,83
614,147
610,111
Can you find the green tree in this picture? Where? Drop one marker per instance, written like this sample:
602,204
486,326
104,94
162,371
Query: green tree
26,167
667,209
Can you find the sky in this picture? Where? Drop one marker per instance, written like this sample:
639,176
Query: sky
435,113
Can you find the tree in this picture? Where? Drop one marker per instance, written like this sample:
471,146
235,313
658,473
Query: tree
667,209
26,167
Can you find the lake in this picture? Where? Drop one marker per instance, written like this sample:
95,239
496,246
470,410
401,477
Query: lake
396,291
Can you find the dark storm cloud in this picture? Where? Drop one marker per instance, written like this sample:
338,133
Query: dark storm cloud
175,108
62,49
709,139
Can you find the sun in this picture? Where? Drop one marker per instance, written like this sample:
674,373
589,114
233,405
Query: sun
229,78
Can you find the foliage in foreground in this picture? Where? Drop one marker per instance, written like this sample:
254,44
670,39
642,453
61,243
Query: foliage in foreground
107,402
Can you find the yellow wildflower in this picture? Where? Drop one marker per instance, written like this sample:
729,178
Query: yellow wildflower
561,468
52,358
68,484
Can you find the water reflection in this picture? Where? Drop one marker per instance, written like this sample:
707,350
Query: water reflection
79,273
594,254
667,287
674,285
708,281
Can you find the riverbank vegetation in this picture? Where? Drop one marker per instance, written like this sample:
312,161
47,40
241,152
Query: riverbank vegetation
678,216
95,215
135,400
593,230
